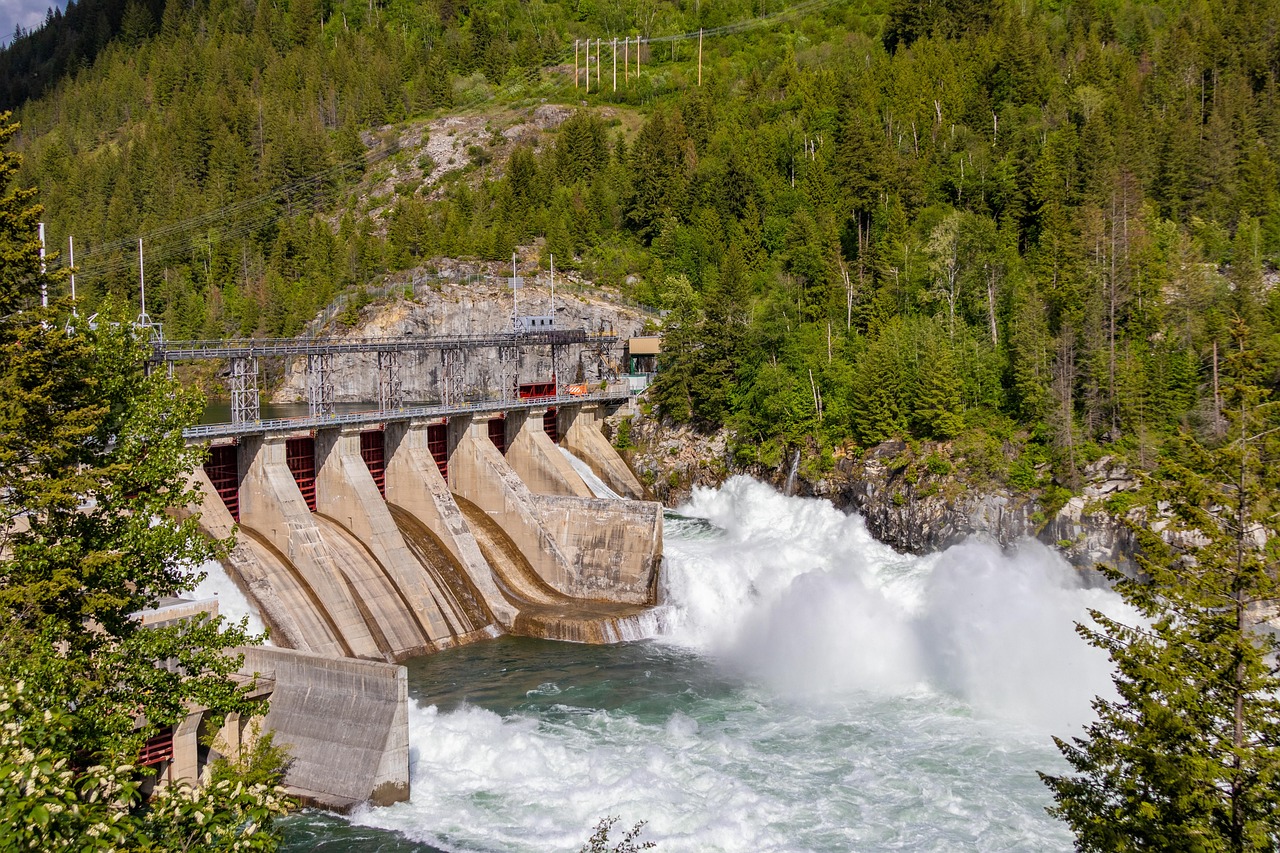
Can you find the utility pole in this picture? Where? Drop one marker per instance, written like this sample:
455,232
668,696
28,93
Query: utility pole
142,285
699,56
575,63
615,64
598,64
588,66
72,244
44,287
626,59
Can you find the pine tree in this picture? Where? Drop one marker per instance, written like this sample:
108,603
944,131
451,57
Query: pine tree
1187,757
938,405
93,470
674,387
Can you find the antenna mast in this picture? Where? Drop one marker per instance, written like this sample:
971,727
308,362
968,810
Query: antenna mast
72,242
44,287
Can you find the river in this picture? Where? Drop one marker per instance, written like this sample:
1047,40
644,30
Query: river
812,690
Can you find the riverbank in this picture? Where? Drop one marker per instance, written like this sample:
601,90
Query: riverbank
918,497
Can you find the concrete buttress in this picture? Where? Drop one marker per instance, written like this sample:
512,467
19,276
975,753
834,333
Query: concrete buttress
537,459
345,491
272,506
283,600
415,484
479,473
580,427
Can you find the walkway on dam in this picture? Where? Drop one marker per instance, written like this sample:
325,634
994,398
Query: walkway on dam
615,395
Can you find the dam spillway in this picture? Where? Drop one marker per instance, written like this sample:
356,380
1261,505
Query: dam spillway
356,545
365,538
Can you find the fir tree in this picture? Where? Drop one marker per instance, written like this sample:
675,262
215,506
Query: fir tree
1187,757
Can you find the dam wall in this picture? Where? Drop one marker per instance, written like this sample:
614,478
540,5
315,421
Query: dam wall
479,473
414,483
272,505
614,548
537,460
345,723
284,604
580,426
422,618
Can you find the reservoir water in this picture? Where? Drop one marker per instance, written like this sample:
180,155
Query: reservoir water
811,690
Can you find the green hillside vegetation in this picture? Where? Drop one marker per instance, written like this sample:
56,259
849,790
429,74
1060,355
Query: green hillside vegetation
955,220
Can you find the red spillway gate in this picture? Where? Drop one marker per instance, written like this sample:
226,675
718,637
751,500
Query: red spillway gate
373,449
551,425
223,471
498,434
438,444
300,455
157,750
536,390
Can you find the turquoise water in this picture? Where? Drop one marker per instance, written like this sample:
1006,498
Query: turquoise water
811,690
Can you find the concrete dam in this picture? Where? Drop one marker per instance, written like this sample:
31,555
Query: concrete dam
410,537
366,538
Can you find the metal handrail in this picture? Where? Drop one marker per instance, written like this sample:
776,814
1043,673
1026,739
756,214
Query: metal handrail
204,432
191,350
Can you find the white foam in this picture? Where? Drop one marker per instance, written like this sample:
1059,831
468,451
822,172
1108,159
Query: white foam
890,702
801,595
232,603
598,487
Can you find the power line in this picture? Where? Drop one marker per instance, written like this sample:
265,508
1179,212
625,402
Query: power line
251,215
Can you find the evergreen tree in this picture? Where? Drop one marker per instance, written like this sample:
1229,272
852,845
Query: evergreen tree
93,468
1187,757
674,387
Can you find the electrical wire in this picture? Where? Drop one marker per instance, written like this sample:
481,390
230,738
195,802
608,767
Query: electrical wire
253,215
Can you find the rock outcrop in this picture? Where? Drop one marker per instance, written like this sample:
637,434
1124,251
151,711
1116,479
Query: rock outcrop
912,496
468,299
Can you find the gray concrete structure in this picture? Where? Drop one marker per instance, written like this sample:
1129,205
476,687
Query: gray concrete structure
339,580
414,484
535,457
345,723
580,426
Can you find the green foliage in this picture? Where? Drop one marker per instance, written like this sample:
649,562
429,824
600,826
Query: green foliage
1187,757
888,218
94,476
622,440
600,842
937,465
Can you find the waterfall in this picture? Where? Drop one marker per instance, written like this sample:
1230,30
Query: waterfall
791,478
598,487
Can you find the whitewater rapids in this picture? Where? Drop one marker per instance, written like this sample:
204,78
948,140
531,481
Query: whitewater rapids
813,690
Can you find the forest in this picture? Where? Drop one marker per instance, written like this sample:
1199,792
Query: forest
1011,224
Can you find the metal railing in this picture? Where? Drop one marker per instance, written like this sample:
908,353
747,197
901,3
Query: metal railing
205,432
259,347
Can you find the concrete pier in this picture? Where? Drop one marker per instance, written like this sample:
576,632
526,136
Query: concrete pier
580,426
346,493
285,602
272,505
479,473
415,485
345,723
535,457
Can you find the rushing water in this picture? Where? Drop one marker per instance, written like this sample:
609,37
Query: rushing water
813,691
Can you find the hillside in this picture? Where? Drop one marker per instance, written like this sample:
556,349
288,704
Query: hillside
1045,227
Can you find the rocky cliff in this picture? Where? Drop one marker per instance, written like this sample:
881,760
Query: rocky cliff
915,497
468,299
